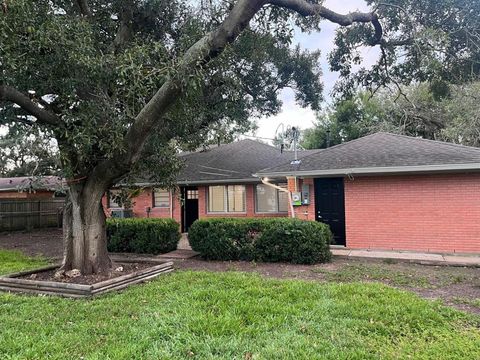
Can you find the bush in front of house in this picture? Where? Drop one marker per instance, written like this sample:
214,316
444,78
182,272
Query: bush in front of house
142,236
268,240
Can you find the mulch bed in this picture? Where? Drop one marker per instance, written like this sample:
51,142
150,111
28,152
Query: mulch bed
44,282
127,268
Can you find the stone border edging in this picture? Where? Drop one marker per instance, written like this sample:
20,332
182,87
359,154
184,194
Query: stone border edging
12,282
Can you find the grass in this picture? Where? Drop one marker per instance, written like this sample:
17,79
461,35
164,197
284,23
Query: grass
367,272
13,261
467,301
203,315
401,275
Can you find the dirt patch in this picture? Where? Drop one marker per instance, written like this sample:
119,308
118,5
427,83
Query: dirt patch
461,296
455,286
119,270
44,242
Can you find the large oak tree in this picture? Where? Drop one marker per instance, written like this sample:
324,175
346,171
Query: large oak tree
115,83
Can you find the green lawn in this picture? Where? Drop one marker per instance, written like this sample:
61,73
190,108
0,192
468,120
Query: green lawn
235,315
13,261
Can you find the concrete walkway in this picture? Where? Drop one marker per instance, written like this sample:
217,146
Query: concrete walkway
414,257
179,254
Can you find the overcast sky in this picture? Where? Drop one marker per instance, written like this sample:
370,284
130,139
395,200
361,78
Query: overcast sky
293,114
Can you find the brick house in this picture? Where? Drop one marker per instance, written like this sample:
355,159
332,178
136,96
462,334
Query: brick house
35,188
217,182
386,191
382,191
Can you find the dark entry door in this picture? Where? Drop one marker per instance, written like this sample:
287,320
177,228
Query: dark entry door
330,206
190,206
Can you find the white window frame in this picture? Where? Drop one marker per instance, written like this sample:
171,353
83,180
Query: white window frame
277,193
225,201
163,206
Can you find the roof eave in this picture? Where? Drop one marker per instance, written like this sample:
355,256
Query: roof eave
205,182
375,170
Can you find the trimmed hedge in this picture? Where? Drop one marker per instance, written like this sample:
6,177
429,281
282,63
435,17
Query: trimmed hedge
142,236
268,240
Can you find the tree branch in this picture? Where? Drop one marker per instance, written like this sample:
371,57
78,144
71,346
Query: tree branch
124,32
152,116
84,8
305,8
8,93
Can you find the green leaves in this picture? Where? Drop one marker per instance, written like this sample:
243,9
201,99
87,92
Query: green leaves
422,41
142,236
268,240
102,71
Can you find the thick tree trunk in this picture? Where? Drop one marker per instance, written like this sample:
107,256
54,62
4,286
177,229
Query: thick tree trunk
84,231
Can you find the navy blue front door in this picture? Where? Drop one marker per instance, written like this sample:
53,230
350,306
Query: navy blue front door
330,206
189,207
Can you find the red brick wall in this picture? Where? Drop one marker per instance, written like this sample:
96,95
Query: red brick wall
304,212
144,200
249,205
40,194
438,213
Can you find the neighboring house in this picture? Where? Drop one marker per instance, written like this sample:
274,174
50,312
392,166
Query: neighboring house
31,202
217,182
45,187
382,191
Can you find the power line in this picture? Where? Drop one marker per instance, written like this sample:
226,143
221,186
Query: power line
258,137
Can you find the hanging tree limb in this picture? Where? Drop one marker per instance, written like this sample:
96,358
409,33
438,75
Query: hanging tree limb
44,117
305,8
84,8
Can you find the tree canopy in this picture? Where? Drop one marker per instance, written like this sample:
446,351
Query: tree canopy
417,111
434,41
97,74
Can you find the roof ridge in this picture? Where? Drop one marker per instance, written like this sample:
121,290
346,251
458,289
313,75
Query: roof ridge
210,147
273,147
340,145
256,142
290,160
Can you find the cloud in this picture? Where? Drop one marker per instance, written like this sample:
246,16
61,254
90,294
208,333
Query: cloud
291,115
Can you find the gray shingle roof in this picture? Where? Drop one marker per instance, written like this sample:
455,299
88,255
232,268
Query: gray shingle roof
382,153
237,161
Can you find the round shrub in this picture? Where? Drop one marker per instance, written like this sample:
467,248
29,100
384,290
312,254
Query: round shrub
295,241
224,238
142,236
269,240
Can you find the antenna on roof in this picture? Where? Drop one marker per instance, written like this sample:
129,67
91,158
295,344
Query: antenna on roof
295,135
281,137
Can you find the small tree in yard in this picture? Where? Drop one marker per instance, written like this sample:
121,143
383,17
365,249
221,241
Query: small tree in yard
118,83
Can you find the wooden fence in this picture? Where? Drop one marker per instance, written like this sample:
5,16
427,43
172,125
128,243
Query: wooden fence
24,214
